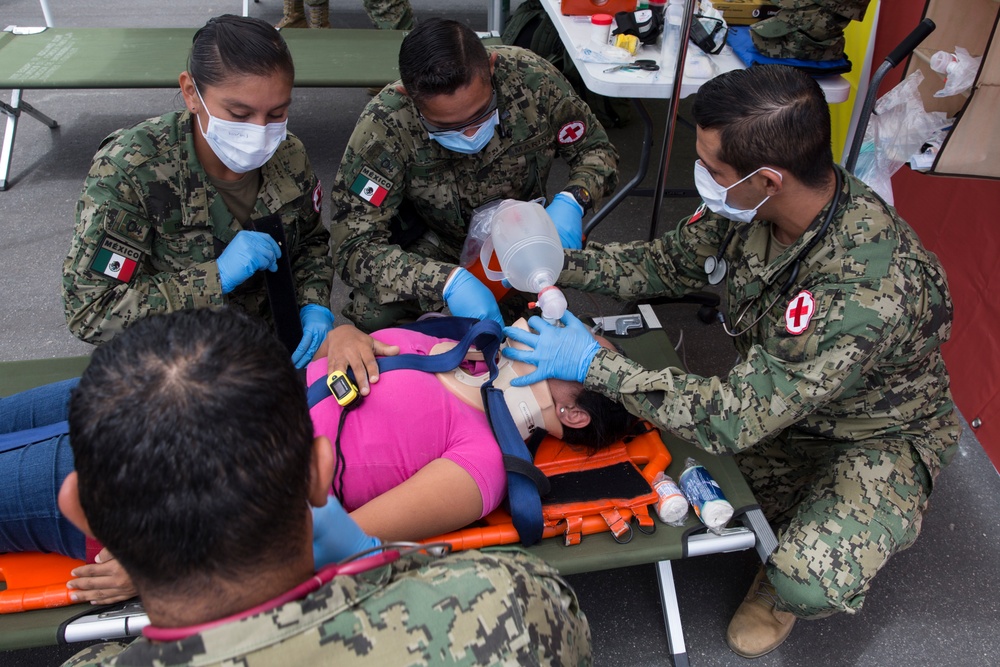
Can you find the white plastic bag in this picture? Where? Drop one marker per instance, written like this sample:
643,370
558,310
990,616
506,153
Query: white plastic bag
897,130
959,69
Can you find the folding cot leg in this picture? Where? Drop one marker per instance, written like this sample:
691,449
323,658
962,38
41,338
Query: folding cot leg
13,111
671,613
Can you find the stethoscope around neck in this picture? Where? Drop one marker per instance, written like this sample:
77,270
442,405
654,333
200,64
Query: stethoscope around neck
716,266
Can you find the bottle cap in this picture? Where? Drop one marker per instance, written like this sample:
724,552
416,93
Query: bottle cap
601,19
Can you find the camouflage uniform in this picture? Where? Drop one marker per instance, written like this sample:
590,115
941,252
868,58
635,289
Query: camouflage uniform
807,29
148,198
540,118
841,428
390,14
470,608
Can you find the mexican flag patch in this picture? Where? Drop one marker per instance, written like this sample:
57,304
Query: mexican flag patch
116,260
371,186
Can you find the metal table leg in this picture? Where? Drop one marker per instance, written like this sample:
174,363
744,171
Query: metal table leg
671,614
624,191
13,112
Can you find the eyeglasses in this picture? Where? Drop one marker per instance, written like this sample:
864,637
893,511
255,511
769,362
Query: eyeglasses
433,129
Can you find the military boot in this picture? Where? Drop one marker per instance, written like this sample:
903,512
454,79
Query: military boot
757,626
318,16
293,17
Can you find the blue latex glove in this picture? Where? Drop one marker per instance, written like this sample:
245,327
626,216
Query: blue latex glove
466,296
316,323
563,352
567,214
336,535
246,254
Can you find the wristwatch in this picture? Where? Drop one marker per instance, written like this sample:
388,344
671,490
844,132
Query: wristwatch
581,195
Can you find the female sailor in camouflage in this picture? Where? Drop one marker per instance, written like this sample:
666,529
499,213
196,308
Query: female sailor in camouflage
165,220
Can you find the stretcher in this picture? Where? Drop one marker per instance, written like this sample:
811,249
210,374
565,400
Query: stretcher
54,58
651,347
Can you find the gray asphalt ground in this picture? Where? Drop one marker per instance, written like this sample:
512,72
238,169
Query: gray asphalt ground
935,604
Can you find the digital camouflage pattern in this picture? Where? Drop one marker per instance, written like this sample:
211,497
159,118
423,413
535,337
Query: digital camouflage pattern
848,401
442,188
390,14
147,190
503,607
807,29
840,511
385,14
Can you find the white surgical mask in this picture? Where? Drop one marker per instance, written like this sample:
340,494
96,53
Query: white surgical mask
242,147
460,143
714,195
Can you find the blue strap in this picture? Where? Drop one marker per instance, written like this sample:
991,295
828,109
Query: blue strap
522,492
31,436
522,486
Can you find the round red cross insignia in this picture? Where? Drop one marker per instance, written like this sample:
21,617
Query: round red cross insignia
318,197
572,132
799,311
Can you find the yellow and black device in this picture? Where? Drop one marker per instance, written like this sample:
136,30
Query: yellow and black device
342,388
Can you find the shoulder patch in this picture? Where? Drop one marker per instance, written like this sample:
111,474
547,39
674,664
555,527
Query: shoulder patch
318,197
128,227
799,312
115,259
698,214
371,186
572,132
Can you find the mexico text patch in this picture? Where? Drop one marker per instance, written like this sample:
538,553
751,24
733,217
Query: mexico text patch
371,186
116,260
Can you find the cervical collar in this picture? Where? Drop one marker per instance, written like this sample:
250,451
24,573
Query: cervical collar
531,407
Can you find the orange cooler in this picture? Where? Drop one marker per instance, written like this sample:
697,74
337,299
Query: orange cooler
591,7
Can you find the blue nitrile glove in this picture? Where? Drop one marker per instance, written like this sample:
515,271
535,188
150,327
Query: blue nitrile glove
336,535
246,254
567,214
466,296
316,323
563,352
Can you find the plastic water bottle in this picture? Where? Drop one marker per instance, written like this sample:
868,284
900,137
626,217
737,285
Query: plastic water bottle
530,253
671,40
705,496
671,506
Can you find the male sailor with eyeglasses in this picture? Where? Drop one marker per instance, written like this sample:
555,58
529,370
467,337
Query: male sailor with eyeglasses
466,126
839,411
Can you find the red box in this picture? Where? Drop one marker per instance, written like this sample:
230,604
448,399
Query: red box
591,7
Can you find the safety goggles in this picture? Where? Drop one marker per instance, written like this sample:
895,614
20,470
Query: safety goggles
433,129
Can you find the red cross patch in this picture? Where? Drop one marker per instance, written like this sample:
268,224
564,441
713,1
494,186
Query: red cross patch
696,216
318,197
572,132
798,312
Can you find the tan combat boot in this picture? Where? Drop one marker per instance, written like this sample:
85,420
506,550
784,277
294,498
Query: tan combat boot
318,17
294,16
758,627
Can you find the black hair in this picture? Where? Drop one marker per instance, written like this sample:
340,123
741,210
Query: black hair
609,422
769,116
440,56
192,443
230,45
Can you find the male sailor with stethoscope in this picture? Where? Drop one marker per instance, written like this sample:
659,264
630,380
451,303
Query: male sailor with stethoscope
839,411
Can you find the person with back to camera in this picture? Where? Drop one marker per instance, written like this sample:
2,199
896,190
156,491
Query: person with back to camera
839,410
165,218
466,126
216,531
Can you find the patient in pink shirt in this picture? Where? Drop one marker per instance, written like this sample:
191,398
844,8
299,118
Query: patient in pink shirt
419,458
